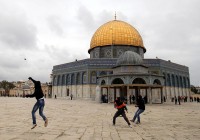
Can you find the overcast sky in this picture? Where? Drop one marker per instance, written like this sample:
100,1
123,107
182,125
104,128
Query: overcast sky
52,32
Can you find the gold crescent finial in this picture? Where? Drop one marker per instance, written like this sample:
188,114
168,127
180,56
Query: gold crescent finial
115,16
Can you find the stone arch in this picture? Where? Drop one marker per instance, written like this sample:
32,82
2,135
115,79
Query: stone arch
181,81
58,80
165,78
177,80
173,80
138,81
84,76
168,80
117,81
188,82
63,80
184,82
67,81
156,82
93,77
103,82
73,79
78,79
54,81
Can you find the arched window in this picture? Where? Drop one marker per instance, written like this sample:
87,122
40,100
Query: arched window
168,80
138,81
184,82
84,78
117,81
156,82
72,79
63,80
177,80
103,82
58,80
78,80
188,81
165,79
67,79
55,81
181,81
93,77
173,80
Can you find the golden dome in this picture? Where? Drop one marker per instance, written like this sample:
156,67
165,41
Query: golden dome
116,33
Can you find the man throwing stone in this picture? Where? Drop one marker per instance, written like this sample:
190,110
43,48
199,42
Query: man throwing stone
38,94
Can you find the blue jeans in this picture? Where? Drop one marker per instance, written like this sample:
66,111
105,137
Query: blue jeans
39,104
137,115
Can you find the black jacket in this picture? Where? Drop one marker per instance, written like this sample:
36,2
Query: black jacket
141,103
38,90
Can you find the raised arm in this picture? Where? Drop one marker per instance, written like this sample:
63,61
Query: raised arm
30,78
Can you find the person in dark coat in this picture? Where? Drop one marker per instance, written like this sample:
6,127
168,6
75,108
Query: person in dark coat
175,100
179,100
141,107
38,94
121,107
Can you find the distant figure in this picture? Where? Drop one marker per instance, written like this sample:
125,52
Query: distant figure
179,100
120,106
38,94
141,108
71,96
175,100
102,98
55,97
106,98
198,99
164,99
133,98
130,98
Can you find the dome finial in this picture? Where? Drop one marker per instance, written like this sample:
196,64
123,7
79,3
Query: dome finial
115,16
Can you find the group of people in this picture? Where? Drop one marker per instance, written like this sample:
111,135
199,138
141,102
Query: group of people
179,99
121,108
194,99
119,105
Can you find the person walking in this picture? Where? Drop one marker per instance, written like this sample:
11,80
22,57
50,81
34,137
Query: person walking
121,106
71,96
141,107
175,100
38,94
179,100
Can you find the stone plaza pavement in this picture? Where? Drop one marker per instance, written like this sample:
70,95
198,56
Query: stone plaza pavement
88,120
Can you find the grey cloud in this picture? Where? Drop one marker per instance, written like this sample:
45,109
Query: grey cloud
16,32
54,23
86,18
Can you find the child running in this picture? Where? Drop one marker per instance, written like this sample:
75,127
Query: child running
121,106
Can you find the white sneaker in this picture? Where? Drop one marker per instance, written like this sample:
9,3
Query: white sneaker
130,126
34,125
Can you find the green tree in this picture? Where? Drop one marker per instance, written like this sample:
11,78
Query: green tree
193,89
7,86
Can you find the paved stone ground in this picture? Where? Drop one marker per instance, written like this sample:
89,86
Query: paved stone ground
88,120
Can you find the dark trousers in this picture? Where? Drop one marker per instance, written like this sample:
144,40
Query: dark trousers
118,113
